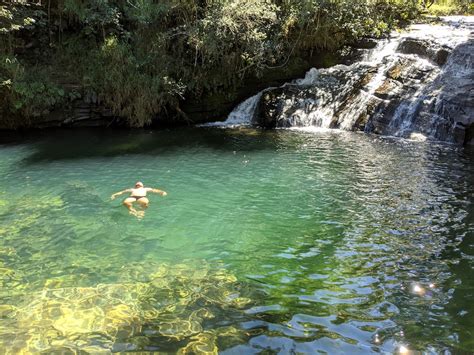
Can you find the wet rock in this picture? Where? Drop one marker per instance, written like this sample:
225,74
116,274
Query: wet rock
365,43
391,93
314,100
409,71
379,121
388,89
361,120
412,96
469,134
350,55
356,51
447,110
425,49
218,104
403,79
438,104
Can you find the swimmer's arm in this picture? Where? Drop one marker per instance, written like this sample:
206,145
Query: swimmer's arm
120,193
157,191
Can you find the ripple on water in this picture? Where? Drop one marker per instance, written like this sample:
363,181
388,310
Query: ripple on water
290,242
172,303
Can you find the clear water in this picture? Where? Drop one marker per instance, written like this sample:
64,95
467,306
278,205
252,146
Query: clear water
274,242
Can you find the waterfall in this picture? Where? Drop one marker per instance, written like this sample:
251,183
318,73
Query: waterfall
242,115
398,88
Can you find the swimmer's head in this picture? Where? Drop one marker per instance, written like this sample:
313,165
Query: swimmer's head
139,184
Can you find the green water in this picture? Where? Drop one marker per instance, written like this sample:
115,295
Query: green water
275,242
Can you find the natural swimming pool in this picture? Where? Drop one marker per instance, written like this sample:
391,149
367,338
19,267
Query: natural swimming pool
268,241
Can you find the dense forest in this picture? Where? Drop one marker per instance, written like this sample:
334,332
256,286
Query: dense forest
143,58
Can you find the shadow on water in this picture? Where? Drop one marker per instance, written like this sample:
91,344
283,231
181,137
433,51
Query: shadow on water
64,144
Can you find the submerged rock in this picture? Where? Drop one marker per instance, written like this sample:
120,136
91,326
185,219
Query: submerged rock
171,304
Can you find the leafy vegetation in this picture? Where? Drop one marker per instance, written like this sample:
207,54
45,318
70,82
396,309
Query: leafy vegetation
448,7
142,58
25,93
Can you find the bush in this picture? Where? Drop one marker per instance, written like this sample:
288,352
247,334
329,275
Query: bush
141,58
131,86
25,94
448,7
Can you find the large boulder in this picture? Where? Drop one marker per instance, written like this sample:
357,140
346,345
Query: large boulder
402,95
314,100
403,78
449,103
407,87
426,49
437,103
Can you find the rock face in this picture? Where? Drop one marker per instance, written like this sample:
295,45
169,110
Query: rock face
217,105
422,88
449,103
402,80
425,49
81,114
306,104
443,109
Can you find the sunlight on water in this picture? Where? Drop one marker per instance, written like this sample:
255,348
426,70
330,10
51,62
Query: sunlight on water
290,241
167,303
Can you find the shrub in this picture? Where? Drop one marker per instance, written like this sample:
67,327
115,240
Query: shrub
141,58
25,94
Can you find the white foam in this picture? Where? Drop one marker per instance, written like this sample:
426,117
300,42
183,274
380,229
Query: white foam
454,30
241,116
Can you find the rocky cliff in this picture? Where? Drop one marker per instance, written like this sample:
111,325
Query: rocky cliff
417,85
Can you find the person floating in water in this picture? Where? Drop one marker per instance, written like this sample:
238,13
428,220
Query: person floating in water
137,194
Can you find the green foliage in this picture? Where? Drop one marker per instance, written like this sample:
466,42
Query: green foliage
29,21
25,93
232,39
449,7
17,18
141,58
132,86
95,17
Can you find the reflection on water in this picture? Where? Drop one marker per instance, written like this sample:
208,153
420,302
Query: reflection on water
285,241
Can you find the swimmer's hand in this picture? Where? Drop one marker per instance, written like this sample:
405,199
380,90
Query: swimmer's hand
113,197
163,193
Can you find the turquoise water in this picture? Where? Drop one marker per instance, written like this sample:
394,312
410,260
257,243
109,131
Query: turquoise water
274,242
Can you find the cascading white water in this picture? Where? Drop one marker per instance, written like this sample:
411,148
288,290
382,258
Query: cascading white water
347,97
240,116
459,32
243,114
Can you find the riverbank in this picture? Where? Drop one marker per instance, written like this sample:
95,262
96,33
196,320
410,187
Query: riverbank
66,100
143,61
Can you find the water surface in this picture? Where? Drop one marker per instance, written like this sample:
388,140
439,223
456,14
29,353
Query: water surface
275,242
